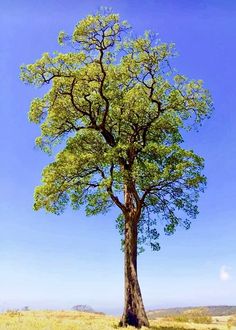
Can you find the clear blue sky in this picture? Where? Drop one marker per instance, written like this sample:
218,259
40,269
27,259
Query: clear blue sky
48,261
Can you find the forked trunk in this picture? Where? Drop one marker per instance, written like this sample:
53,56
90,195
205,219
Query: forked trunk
134,313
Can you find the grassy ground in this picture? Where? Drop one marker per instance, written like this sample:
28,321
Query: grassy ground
69,320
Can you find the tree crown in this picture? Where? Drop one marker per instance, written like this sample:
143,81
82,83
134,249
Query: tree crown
121,109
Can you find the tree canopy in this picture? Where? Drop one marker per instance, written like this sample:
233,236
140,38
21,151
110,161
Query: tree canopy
119,110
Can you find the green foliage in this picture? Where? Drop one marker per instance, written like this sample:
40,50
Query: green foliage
120,111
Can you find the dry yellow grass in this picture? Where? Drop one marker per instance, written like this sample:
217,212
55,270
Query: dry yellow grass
70,320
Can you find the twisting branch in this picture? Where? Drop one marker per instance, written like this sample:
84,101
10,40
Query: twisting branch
114,198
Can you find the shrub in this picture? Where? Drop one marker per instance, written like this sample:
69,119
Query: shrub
231,322
13,312
197,315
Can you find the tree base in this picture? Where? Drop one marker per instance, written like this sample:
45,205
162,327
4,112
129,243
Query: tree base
131,319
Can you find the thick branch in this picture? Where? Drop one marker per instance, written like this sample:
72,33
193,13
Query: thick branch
114,198
101,89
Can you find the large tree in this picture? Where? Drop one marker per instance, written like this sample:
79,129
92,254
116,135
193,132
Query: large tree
120,111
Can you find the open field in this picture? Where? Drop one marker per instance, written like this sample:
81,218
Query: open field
70,320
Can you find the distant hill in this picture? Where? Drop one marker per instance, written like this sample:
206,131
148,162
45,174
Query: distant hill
213,311
85,309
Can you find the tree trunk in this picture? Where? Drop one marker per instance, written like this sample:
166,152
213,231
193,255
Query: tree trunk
134,313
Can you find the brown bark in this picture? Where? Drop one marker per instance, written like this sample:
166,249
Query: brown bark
134,313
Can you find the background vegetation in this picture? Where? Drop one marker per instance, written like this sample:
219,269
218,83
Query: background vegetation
73,320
